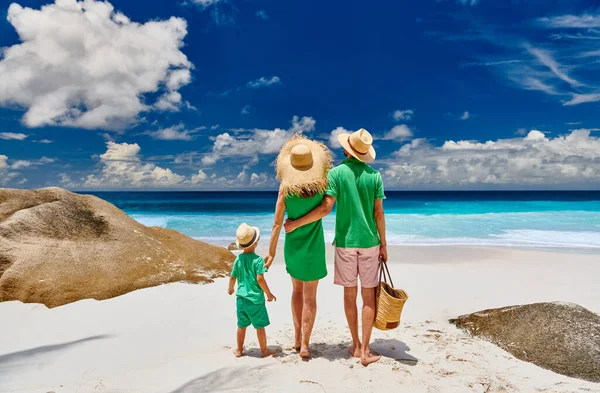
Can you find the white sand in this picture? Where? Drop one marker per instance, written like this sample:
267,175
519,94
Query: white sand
179,337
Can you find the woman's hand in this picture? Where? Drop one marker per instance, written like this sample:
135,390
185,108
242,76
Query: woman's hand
290,226
269,261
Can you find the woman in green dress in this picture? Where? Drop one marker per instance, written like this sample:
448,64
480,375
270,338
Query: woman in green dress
302,167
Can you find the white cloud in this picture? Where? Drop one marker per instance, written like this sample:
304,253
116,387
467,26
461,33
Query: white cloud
532,83
401,132
245,110
406,114
174,133
464,2
20,164
170,102
81,64
122,167
12,136
46,160
582,98
199,177
546,59
64,180
44,141
255,84
259,179
592,53
585,21
535,160
557,64
263,82
206,3
6,176
465,116
242,176
333,137
256,141
179,78
262,14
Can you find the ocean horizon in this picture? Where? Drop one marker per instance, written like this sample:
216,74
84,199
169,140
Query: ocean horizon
532,219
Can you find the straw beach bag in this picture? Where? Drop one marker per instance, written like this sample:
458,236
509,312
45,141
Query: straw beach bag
390,301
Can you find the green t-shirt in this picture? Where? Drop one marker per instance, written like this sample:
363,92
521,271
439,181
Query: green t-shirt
245,269
356,186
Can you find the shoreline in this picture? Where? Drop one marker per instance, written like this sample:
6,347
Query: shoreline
554,247
421,254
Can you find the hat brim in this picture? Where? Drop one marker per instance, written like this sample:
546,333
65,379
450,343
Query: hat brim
306,180
237,242
367,157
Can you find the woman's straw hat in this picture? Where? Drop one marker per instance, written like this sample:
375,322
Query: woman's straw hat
246,236
359,144
302,166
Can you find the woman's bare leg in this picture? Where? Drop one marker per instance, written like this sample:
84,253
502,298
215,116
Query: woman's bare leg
297,305
309,312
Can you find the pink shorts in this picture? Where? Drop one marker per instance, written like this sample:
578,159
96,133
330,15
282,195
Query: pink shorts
350,263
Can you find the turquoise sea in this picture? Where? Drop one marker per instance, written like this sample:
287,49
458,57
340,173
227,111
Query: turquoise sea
544,219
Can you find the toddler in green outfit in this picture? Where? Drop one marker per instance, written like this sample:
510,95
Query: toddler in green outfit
248,270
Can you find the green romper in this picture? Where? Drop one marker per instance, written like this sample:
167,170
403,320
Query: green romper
304,249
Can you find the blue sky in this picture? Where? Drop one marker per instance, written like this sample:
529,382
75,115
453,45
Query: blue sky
200,94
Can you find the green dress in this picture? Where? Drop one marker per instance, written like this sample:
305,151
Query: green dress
304,249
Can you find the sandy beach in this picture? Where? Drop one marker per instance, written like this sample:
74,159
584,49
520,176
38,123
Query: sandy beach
179,337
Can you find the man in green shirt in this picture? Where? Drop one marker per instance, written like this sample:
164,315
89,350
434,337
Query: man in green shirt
360,242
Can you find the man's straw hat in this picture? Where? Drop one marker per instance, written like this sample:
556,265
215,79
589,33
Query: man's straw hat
359,144
302,166
246,236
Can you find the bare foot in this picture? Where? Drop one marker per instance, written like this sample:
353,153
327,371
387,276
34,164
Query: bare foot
368,359
267,353
304,354
238,353
355,351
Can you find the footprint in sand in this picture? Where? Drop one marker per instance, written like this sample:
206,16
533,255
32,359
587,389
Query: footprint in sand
311,386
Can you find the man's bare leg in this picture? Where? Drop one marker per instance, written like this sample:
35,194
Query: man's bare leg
351,311
368,319
262,341
241,336
297,305
309,312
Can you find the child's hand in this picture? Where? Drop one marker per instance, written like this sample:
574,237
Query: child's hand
230,291
270,297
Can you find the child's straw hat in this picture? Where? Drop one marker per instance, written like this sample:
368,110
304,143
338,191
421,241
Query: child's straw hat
246,236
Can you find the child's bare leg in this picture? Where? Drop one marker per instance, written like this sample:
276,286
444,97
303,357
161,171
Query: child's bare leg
241,336
262,341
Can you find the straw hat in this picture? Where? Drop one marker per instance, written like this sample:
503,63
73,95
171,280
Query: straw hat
302,166
359,144
246,236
